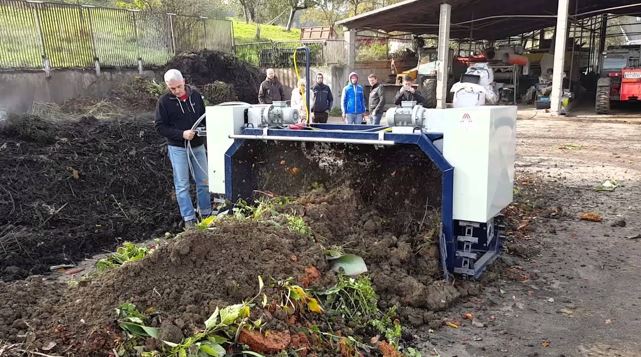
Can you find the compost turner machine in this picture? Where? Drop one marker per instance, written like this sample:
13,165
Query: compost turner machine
469,153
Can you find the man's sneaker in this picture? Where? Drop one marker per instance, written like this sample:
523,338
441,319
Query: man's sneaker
190,225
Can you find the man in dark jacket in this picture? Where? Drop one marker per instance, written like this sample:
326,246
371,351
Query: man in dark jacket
270,90
322,100
176,114
376,100
409,93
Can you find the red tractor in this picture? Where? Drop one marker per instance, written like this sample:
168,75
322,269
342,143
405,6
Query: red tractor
620,77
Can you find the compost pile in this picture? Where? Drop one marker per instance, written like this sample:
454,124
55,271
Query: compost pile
378,210
207,66
69,189
184,279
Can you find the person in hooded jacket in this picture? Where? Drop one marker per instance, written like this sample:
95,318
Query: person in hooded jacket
353,101
176,114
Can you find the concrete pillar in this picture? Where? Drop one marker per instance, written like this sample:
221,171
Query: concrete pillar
443,56
350,43
559,56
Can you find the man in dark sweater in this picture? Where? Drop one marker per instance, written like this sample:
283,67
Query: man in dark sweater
408,93
176,114
322,100
271,90
376,100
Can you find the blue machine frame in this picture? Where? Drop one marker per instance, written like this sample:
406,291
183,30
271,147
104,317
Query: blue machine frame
453,233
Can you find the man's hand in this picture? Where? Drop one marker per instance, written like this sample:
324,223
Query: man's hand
311,115
188,134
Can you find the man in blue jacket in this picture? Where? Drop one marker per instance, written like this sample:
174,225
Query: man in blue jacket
176,114
353,101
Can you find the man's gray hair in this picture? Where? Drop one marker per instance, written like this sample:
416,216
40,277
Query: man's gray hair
173,75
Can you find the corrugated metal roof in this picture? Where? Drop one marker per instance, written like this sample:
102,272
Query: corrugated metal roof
481,19
631,28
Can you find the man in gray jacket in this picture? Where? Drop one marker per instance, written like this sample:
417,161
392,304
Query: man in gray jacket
376,100
270,90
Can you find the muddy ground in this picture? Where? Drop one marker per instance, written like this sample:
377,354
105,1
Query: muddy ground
578,292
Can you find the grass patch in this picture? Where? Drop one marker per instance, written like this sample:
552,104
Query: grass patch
246,33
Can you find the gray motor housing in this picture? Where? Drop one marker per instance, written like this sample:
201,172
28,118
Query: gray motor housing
408,114
277,114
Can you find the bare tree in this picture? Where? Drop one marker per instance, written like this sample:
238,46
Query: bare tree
330,10
249,9
295,5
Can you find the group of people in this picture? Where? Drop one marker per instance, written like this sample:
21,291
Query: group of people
271,90
179,110
354,108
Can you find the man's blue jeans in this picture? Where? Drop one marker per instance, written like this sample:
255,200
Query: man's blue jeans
376,119
180,160
353,118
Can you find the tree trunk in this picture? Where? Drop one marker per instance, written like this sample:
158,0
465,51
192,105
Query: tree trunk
290,21
246,13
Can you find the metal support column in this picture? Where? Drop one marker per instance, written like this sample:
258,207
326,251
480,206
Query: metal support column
559,56
603,34
443,56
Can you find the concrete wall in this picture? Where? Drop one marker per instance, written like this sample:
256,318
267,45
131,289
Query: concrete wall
19,90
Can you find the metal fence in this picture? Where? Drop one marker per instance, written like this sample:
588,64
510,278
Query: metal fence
74,36
281,54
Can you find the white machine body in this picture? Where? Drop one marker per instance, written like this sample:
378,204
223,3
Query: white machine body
222,121
479,142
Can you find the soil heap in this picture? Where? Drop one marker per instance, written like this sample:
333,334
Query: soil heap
186,278
70,189
207,66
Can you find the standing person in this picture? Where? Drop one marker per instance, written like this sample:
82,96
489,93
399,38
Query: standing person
322,100
270,90
176,114
298,101
353,101
376,100
409,93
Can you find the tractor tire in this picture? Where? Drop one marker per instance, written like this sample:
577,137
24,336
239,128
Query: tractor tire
602,105
428,89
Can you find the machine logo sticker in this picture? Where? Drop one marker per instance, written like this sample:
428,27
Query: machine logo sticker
466,121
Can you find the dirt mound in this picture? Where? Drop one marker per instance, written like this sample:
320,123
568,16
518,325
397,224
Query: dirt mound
204,67
219,92
398,182
404,268
183,281
72,189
